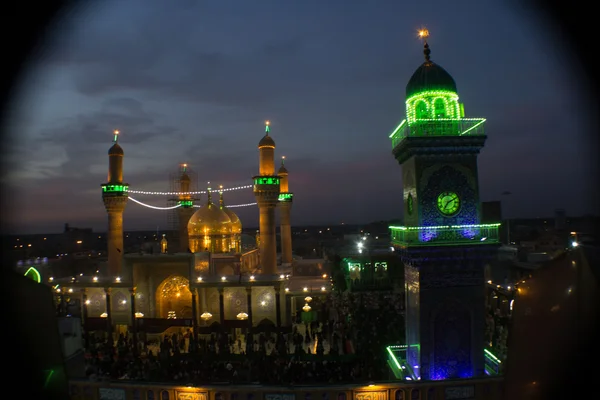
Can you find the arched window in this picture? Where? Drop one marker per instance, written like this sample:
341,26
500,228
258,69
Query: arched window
421,110
439,105
415,394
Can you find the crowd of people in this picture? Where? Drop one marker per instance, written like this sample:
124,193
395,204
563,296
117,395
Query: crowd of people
345,344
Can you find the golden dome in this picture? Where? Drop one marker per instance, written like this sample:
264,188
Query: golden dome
236,224
185,177
282,170
115,150
266,141
209,220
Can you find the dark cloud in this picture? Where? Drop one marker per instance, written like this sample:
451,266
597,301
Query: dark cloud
193,82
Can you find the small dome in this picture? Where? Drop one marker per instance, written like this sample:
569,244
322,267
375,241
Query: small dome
282,170
185,177
236,224
266,141
209,220
429,76
116,150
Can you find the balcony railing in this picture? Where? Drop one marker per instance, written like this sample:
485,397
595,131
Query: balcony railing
438,127
444,235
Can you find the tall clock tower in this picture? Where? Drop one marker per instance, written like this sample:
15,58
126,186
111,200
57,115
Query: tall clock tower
442,244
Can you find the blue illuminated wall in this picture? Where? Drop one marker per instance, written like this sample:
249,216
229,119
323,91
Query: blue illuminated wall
445,311
452,344
448,178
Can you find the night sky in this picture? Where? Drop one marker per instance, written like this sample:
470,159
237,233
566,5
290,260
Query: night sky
194,81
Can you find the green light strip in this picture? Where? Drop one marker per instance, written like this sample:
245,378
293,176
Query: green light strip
474,126
492,356
37,276
405,228
285,196
115,188
448,119
398,128
393,357
266,180
48,376
432,93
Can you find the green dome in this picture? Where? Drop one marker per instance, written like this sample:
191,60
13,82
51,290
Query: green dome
429,76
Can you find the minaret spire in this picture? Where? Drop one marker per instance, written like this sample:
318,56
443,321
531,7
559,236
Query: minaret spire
221,202
209,195
116,136
267,129
424,34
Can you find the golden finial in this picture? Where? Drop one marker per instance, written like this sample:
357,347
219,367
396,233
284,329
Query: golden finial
116,136
424,34
282,160
267,129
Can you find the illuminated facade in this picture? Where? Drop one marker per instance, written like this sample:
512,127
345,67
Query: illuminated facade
207,279
114,195
443,245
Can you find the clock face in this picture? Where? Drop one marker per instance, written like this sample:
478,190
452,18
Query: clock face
448,203
409,204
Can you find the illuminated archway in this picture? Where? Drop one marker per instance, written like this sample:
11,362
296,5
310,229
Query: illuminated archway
173,298
33,274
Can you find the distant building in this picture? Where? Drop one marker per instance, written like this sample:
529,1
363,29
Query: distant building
491,212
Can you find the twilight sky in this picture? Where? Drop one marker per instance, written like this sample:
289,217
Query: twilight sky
193,81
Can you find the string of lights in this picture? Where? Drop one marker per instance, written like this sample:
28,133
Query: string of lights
154,207
231,206
188,193
179,205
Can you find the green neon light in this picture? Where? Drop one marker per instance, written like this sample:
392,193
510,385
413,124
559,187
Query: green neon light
491,355
481,121
115,188
285,196
266,180
432,104
474,234
49,373
389,350
426,127
186,203
398,128
33,274
424,228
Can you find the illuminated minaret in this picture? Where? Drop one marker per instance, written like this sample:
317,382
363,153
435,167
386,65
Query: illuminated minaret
266,191
185,210
443,245
114,195
285,205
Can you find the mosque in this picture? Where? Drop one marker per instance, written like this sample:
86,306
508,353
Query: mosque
208,281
